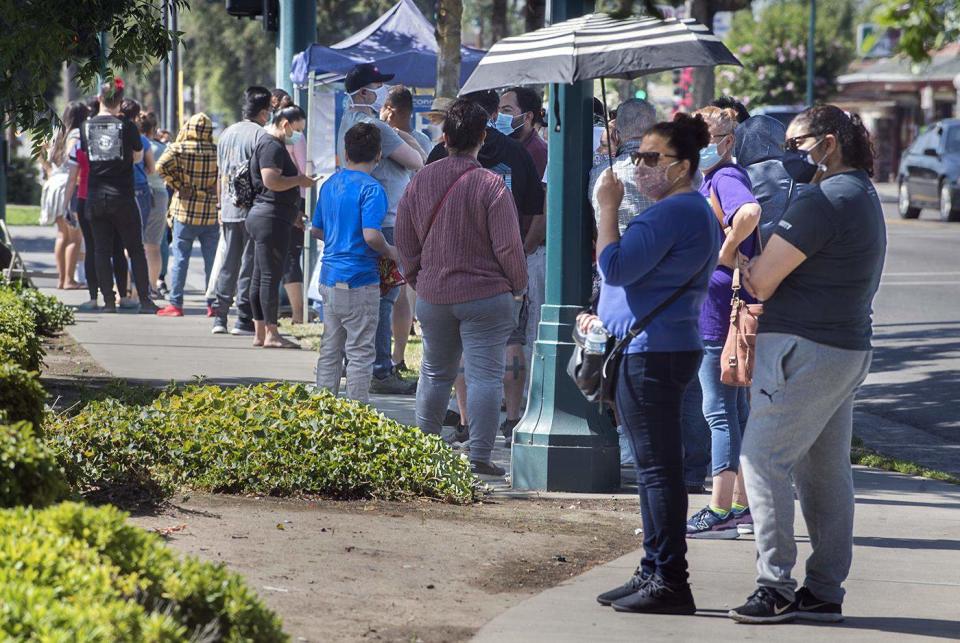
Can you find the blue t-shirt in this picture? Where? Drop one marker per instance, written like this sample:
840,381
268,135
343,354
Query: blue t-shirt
732,187
139,169
349,202
660,250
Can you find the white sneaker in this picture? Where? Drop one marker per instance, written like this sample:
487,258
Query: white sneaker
219,329
241,332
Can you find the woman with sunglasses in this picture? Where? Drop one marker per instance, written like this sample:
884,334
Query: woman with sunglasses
726,187
817,277
670,249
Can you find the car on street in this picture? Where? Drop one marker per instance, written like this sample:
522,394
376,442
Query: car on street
929,174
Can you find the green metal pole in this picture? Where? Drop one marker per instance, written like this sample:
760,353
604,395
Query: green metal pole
811,57
563,442
3,175
298,30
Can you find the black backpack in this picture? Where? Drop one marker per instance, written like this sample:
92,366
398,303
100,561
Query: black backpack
240,187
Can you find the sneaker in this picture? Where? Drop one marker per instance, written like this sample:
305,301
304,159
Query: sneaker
402,368
88,306
129,303
452,418
147,307
163,289
811,608
461,433
109,307
707,524
655,597
486,469
391,384
765,606
632,586
743,520
219,328
155,294
506,428
241,329
170,311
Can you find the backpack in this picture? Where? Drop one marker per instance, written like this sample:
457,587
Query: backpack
240,187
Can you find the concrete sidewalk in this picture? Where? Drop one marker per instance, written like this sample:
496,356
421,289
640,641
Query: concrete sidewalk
904,585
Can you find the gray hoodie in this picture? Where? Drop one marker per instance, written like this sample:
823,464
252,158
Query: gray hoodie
758,149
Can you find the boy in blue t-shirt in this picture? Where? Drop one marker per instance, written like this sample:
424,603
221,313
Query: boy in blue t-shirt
348,219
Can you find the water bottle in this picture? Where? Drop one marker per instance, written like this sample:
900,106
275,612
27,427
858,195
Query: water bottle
595,343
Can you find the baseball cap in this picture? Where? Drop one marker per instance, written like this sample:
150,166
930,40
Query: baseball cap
362,75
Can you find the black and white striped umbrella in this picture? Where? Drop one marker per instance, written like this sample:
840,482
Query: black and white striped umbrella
598,46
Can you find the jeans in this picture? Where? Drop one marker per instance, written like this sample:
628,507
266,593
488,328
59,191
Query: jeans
144,197
479,330
184,234
235,273
696,437
120,267
349,329
649,397
111,216
725,409
800,429
384,360
271,237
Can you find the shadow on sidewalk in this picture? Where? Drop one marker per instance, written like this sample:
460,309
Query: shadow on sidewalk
902,625
907,543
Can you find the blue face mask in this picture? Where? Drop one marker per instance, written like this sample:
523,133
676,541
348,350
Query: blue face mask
504,124
294,138
709,156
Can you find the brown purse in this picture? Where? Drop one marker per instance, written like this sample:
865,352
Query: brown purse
739,349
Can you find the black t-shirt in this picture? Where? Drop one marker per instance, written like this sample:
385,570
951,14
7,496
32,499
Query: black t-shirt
838,224
508,158
110,143
271,153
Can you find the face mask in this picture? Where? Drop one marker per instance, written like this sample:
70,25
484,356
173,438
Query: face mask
709,156
504,124
294,138
653,182
379,100
800,165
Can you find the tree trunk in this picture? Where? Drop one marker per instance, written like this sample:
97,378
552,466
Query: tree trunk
534,14
449,14
704,81
498,20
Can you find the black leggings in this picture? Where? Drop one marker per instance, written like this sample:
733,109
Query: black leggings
271,240
90,260
112,217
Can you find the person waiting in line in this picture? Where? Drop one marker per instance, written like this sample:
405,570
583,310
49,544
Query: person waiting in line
57,203
348,219
397,112
817,278
155,226
112,145
742,115
727,188
672,247
759,151
142,171
367,94
459,243
189,167
234,150
277,183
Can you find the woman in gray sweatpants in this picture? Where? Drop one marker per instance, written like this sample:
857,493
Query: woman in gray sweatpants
817,277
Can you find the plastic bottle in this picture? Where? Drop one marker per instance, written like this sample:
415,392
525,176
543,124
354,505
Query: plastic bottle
595,343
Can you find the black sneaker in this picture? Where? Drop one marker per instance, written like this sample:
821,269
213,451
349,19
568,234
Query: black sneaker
655,597
109,307
765,606
147,307
486,469
811,608
452,418
163,289
461,433
507,430
632,586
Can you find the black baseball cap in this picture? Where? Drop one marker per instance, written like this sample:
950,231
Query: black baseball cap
364,74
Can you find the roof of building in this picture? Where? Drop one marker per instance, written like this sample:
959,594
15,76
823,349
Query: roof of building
943,66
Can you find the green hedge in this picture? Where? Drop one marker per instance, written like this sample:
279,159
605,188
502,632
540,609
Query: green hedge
273,439
19,341
50,315
75,573
29,472
21,396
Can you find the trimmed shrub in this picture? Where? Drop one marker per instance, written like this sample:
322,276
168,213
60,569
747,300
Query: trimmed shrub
272,439
50,315
29,473
72,572
21,396
19,341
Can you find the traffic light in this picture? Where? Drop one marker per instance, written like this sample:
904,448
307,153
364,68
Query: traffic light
640,94
268,9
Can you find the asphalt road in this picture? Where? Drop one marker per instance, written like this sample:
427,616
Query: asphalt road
915,378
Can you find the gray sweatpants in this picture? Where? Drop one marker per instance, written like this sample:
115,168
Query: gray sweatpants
350,318
800,427
479,330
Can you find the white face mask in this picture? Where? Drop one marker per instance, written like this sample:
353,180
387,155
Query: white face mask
378,102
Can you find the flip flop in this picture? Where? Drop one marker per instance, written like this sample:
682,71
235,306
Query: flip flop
284,344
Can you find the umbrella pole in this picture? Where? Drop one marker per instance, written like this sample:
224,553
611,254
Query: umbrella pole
606,121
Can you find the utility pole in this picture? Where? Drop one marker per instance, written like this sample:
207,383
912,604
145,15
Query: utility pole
811,57
170,74
564,443
298,30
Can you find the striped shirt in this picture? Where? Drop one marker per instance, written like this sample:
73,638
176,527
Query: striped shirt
473,248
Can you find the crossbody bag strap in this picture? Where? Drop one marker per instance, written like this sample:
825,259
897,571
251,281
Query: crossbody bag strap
443,200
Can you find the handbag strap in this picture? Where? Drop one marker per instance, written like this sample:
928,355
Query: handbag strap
436,210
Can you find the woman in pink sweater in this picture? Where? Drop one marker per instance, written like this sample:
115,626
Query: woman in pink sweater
458,237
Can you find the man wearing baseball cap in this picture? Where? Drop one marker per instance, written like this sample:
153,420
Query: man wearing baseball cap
401,155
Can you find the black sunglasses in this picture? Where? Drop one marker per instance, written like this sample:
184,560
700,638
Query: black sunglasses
793,144
650,159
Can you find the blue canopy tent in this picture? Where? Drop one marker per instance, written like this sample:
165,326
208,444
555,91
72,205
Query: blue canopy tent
400,42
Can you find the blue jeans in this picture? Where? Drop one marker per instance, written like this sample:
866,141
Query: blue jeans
383,363
649,399
725,408
144,196
696,437
184,235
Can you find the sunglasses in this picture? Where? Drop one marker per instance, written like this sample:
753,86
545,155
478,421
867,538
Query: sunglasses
793,144
650,159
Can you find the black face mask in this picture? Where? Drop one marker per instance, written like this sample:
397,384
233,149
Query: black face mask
800,166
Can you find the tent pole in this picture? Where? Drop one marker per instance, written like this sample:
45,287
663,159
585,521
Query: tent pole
308,241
